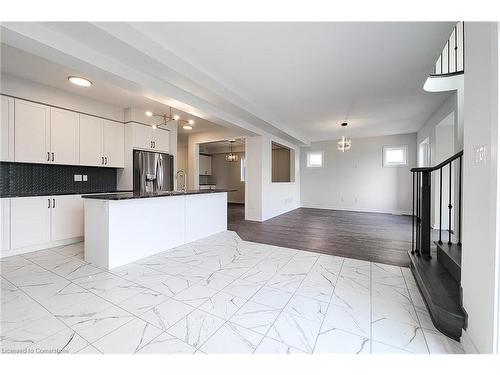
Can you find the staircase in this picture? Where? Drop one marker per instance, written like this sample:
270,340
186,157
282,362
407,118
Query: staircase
436,259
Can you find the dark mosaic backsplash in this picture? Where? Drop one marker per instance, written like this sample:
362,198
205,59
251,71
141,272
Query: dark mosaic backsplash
45,179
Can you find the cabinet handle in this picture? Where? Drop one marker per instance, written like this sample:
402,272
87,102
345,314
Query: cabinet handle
48,156
49,203
52,156
53,203
152,144
102,161
105,160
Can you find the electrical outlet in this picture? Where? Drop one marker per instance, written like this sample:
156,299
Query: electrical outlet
480,154
85,177
77,177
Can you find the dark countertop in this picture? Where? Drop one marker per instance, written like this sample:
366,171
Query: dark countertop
42,194
137,195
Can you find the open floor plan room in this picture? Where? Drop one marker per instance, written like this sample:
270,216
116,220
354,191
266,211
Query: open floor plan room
286,191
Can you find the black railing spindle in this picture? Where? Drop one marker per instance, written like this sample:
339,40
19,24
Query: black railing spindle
440,204
450,206
460,202
413,217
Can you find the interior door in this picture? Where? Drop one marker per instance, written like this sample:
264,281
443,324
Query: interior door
64,136
31,132
30,221
114,144
67,217
91,141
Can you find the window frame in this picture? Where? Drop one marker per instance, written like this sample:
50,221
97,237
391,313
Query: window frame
385,164
321,153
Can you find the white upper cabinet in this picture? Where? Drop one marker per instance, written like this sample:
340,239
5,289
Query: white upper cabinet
161,140
32,132
67,217
30,221
101,142
64,137
91,134
141,136
146,138
7,129
114,144
205,165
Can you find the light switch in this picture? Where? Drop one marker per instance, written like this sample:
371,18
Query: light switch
77,177
480,154
85,177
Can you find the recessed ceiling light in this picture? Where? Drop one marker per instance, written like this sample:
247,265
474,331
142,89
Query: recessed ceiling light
191,122
176,117
79,81
154,126
149,113
187,127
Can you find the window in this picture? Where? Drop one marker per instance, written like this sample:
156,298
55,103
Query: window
314,159
395,156
243,169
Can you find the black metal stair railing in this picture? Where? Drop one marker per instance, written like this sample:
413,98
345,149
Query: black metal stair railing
451,60
421,209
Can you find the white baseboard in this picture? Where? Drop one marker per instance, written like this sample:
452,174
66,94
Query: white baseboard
355,209
47,245
468,344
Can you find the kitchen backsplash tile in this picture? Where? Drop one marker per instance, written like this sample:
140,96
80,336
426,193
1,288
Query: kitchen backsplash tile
25,178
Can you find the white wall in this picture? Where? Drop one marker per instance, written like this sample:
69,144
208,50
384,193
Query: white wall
480,251
356,179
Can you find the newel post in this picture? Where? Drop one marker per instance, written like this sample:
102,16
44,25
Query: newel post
425,234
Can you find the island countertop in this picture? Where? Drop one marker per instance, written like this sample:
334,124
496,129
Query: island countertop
159,194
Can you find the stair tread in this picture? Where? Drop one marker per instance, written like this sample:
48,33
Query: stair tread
453,251
441,293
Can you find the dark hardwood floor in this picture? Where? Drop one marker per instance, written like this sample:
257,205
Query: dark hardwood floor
374,237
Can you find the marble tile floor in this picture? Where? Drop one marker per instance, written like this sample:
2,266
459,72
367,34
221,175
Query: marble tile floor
216,295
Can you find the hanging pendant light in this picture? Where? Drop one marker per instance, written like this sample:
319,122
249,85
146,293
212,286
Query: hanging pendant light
344,143
231,156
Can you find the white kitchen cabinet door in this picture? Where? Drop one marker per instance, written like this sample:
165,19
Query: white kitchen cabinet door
64,137
205,165
141,137
29,221
114,144
161,140
7,129
4,225
91,141
31,132
67,217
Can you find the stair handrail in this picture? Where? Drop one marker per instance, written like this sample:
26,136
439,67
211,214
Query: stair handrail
440,165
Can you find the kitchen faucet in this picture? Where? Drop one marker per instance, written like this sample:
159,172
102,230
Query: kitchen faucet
181,173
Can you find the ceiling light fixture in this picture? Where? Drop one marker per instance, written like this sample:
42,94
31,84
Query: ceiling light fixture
231,156
79,81
344,143
169,117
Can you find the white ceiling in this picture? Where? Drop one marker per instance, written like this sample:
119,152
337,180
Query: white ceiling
298,81
313,76
34,68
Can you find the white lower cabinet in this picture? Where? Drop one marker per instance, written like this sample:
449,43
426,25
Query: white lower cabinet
29,221
41,222
66,217
4,225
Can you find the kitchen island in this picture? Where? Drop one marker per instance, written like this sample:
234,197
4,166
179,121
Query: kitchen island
124,227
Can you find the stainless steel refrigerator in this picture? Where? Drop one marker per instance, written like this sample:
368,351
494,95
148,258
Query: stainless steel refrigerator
153,171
